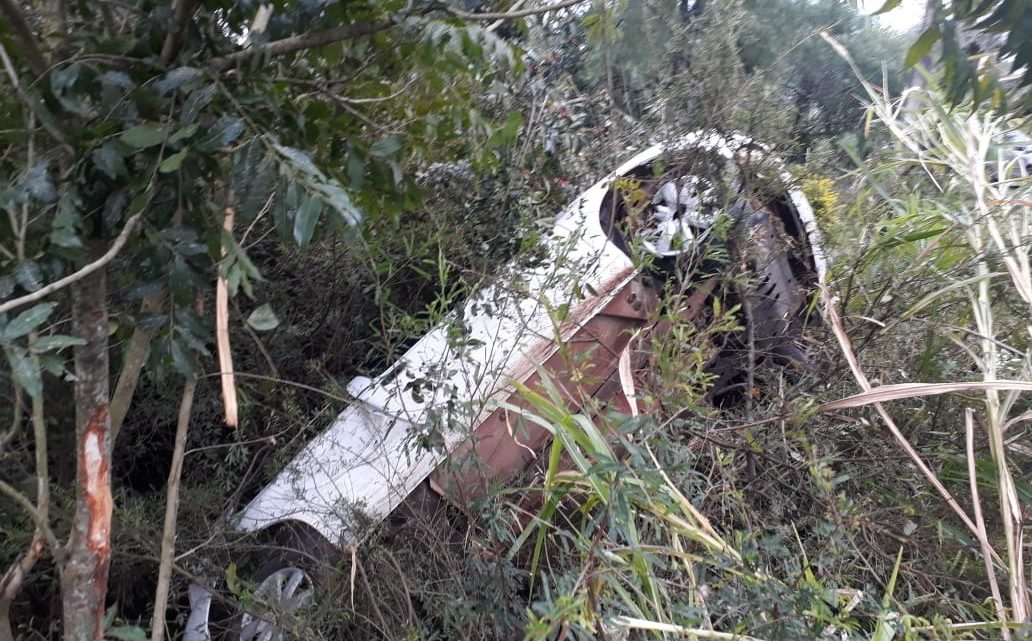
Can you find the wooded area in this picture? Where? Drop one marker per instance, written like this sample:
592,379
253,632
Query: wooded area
788,398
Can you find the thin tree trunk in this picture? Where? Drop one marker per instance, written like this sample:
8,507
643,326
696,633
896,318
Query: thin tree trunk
168,535
84,575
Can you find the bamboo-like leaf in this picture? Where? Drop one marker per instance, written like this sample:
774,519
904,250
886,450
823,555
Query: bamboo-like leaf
900,391
922,46
928,299
884,630
631,623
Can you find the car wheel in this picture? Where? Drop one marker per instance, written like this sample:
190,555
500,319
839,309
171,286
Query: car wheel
282,579
283,591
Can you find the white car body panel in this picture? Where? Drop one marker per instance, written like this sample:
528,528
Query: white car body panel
366,459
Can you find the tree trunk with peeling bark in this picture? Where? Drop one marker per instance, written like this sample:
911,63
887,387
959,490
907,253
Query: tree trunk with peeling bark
84,576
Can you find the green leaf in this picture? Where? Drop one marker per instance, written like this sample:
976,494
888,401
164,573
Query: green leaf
64,228
181,281
25,371
126,633
183,133
254,177
177,78
195,102
305,221
28,275
173,162
922,46
888,6
38,184
337,199
187,335
300,161
118,79
386,146
52,364
263,319
284,207
356,169
27,321
55,341
140,201
151,322
512,124
225,130
884,630
143,136
109,160
184,361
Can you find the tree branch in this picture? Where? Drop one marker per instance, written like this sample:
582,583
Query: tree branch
174,38
16,416
300,42
79,275
37,518
324,37
512,15
33,56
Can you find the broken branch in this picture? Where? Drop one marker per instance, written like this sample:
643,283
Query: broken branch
229,399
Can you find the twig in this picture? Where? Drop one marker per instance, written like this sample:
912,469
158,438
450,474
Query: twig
39,437
39,294
300,42
16,416
512,15
310,388
372,598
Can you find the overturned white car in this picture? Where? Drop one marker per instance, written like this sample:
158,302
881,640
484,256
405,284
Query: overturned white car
432,424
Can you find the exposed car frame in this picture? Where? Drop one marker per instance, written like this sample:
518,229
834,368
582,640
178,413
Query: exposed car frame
435,420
